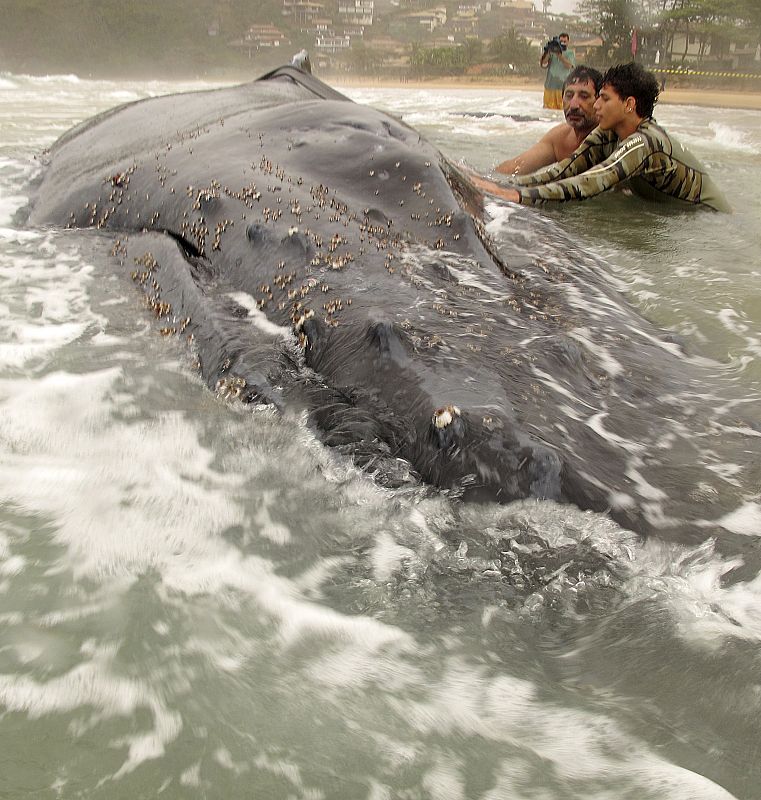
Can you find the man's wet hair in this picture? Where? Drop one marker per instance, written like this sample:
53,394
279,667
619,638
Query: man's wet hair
582,74
564,34
633,80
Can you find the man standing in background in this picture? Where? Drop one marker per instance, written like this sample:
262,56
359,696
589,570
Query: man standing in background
558,60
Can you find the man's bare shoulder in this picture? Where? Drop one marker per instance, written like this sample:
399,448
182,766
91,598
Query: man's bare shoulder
565,139
558,143
557,132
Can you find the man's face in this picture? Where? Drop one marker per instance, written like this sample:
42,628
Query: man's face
579,105
610,108
564,41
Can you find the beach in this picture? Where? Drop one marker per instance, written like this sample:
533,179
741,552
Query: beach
693,96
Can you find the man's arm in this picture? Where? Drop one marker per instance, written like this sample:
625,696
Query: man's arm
585,173
591,151
540,155
567,59
485,185
627,160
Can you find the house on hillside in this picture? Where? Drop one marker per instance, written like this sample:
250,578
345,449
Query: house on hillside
356,12
586,49
411,26
516,8
393,54
703,50
465,21
261,38
326,44
303,12
500,16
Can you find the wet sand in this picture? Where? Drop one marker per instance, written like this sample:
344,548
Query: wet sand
711,98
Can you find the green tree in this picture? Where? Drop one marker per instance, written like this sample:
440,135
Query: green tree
362,59
613,20
512,48
438,60
474,50
713,23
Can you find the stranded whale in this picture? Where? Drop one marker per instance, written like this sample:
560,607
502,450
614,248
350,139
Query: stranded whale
319,254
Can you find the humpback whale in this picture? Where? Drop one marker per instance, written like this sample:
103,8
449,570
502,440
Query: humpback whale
320,255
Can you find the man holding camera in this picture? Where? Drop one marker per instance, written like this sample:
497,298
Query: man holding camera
558,60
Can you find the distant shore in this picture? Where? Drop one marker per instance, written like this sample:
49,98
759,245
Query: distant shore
709,98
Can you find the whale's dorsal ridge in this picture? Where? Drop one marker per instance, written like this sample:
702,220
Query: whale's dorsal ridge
308,81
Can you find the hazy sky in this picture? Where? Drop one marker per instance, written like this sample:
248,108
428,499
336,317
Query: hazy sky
559,6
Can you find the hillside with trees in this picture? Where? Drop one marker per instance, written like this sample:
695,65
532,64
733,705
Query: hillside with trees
409,38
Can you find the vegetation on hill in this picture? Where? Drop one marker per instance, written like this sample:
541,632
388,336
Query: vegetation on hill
140,38
198,38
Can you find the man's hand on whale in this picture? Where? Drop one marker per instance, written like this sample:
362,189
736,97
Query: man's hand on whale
490,187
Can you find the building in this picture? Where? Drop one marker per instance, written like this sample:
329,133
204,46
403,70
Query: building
326,44
303,12
356,12
261,38
414,24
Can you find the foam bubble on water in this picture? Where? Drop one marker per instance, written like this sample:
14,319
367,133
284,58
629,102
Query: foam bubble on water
35,342
46,295
13,565
299,618
582,747
289,770
731,138
353,668
224,758
267,527
94,684
378,791
740,607
127,496
444,780
387,556
691,582
192,775
15,236
124,496
57,78
603,358
745,520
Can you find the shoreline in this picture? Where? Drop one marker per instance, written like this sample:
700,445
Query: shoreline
706,98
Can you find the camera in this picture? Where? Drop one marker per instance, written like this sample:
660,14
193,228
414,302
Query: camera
554,46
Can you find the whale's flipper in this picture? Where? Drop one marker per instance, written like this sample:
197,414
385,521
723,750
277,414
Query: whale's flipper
238,350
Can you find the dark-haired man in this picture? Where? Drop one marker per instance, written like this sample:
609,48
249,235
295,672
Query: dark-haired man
579,95
628,145
558,60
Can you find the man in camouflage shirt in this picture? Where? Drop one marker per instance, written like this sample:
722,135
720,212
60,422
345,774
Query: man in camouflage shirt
628,145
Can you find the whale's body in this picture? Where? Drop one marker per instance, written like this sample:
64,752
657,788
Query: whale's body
320,254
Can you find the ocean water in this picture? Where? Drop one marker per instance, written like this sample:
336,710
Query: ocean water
199,599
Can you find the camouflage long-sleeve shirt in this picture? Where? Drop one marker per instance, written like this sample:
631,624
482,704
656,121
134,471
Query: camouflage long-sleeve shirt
653,165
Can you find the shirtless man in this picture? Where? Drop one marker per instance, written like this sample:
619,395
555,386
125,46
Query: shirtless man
579,94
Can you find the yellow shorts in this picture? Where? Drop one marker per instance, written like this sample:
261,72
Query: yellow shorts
553,98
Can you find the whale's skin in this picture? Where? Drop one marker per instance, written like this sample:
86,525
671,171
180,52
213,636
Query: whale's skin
320,254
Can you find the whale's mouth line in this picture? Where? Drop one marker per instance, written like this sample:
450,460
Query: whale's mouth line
188,248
